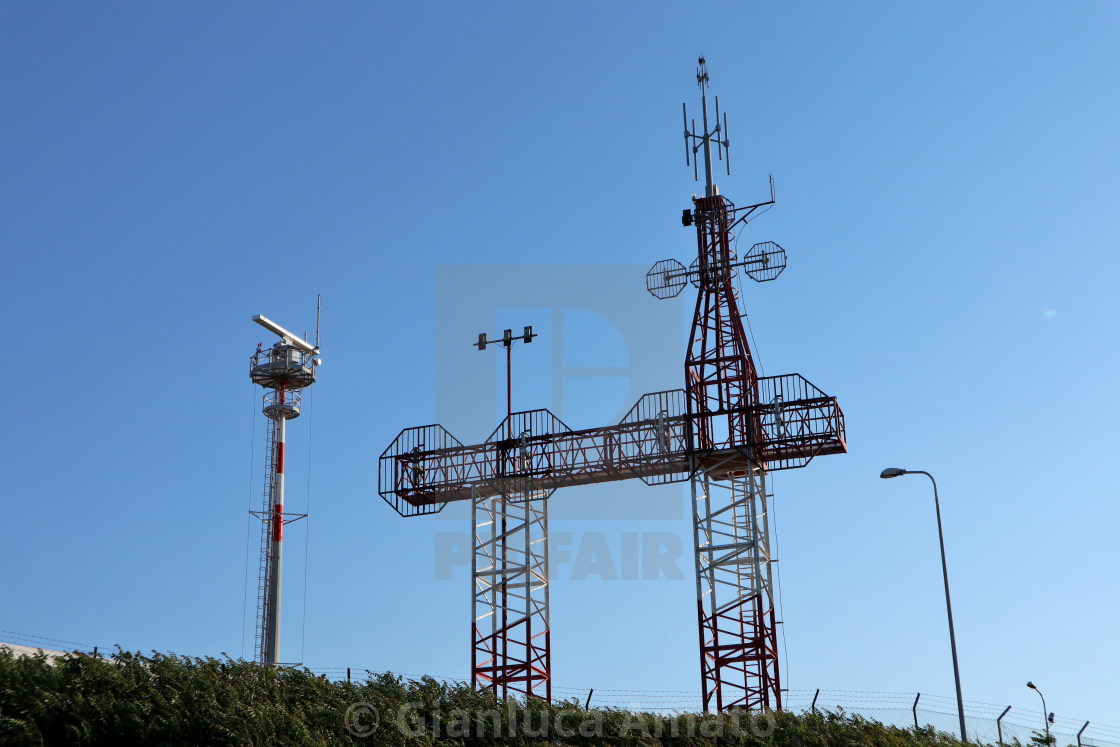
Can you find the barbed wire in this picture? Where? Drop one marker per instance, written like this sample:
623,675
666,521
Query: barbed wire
37,641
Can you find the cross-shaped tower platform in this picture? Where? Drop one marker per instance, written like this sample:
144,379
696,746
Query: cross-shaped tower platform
724,432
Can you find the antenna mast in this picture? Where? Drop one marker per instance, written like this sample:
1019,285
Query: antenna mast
730,462
694,140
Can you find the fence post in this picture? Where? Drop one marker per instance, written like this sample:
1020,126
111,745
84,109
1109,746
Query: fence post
588,703
813,707
1083,728
916,712
999,725
347,674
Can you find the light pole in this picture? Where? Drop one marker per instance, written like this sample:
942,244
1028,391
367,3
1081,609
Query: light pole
1045,718
507,339
895,472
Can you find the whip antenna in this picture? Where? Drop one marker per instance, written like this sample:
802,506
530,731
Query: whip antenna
318,312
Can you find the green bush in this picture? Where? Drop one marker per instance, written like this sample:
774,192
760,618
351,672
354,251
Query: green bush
165,699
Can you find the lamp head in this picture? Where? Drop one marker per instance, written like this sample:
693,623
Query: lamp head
892,472
1031,686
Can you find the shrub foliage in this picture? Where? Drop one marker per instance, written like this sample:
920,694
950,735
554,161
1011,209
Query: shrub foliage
165,699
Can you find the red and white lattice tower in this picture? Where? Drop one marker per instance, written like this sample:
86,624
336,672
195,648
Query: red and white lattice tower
734,585
725,432
284,370
510,644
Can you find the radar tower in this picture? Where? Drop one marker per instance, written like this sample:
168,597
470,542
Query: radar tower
284,370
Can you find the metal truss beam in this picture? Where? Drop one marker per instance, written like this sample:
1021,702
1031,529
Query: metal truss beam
788,423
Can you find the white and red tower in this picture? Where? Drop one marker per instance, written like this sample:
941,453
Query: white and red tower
284,370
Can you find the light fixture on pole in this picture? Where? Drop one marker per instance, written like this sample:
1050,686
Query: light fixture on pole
1046,720
507,339
896,472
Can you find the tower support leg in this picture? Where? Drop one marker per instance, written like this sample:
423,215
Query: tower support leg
735,602
510,626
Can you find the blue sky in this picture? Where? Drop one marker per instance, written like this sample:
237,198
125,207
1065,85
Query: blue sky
947,180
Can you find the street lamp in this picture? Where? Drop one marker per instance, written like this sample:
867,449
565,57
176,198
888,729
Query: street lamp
895,472
1045,720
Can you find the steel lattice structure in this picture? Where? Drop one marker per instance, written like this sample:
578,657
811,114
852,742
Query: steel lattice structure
509,569
725,431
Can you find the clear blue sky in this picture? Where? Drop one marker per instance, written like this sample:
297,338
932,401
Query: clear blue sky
947,177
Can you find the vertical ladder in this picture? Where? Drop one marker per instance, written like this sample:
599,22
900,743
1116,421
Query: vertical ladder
265,515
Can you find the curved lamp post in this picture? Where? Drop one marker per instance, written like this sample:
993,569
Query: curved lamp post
1045,720
896,472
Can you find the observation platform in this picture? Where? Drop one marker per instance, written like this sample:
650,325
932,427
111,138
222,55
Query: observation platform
282,365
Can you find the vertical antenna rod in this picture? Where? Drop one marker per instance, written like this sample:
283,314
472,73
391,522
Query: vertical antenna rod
702,81
318,313
696,140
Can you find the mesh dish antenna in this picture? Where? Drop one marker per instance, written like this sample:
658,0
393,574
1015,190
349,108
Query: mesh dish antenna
764,262
667,278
